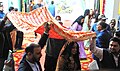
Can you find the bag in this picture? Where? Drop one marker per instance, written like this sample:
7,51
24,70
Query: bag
10,58
93,65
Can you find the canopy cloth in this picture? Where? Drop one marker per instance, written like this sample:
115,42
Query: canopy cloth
34,21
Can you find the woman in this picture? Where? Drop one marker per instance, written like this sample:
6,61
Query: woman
77,26
68,59
87,26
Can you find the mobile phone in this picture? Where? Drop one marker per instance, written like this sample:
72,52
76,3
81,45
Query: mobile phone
9,55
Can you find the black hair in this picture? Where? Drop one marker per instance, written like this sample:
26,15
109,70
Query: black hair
58,17
16,9
87,12
52,2
67,53
113,21
11,8
115,39
30,0
103,24
31,47
78,20
69,48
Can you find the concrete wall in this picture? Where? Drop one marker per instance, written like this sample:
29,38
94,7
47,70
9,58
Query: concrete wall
111,9
8,3
5,5
116,8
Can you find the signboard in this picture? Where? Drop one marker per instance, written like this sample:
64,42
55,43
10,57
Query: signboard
69,9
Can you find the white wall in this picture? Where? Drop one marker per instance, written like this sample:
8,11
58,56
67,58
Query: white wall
8,3
89,4
5,5
16,4
116,8
109,7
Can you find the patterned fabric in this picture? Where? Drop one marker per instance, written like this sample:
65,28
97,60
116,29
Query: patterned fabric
30,22
78,27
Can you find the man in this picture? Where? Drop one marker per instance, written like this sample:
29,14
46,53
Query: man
5,41
31,4
2,14
51,8
53,47
30,61
103,38
101,18
19,37
13,32
112,27
52,51
2,42
109,58
38,5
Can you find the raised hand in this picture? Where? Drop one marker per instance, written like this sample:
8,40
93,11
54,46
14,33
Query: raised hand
47,27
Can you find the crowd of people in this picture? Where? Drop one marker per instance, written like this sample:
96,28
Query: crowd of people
60,54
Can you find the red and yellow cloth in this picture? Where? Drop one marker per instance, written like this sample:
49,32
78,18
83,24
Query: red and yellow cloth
34,21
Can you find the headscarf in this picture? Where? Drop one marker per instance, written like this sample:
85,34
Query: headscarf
78,20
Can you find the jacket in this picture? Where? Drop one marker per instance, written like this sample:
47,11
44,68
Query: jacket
103,39
6,44
108,61
24,66
54,46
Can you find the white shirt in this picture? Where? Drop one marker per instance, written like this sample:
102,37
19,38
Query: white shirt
34,66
